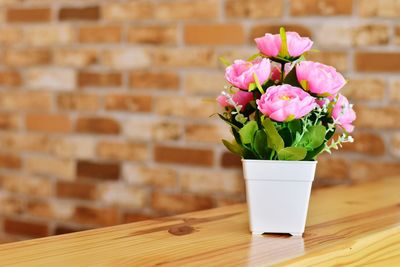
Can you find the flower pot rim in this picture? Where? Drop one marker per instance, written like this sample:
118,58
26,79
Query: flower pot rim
280,161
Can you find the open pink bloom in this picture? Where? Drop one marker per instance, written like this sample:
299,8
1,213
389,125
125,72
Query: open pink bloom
239,98
285,103
241,73
321,79
270,44
343,113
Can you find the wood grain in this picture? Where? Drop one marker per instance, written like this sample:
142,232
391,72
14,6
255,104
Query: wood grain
355,225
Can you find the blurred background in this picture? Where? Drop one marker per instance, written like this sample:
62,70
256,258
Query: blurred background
104,105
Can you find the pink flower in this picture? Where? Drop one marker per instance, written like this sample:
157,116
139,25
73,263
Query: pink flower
343,113
241,73
320,79
285,103
239,98
270,45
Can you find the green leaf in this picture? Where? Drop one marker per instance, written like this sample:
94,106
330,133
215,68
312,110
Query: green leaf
314,137
275,141
291,78
284,48
286,136
225,61
257,82
251,58
294,127
261,144
311,155
233,147
248,131
229,122
252,87
292,153
304,84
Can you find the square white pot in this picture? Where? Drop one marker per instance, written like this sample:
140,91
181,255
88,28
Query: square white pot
278,193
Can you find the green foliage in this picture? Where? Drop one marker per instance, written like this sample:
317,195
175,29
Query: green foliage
259,137
313,138
275,141
284,47
247,132
291,78
292,153
224,61
233,147
260,144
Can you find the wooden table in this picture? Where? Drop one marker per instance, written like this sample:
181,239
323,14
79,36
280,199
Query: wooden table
347,225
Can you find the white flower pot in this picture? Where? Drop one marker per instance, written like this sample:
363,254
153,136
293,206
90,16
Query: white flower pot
278,193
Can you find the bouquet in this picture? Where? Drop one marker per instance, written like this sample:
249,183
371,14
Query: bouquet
280,106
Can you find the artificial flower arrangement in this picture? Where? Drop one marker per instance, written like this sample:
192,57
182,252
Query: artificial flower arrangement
282,107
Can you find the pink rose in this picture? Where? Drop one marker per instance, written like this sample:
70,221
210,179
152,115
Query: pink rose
239,98
343,113
241,73
270,45
321,79
285,103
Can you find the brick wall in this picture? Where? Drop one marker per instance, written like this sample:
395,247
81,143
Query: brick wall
102,111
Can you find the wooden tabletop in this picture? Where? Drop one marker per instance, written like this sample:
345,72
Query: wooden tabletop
347,225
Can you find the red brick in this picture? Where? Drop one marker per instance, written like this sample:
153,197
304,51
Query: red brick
9,78
78,190
382,61
53,209
366,144
157,177
97,170
180,203
377,117
127,11
26,185
187,10
100,34
11,205
320,7
339,60
20,227
331,168
25,101
209,133
229,160
97,125
194,57
9,121
214,34
77,101
50,123
28,15
132,103
83,13
96,216
255,9
379,8
153,34
187,156
154,80
123,151
365,89
27,57
369,170
95,79
10,161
